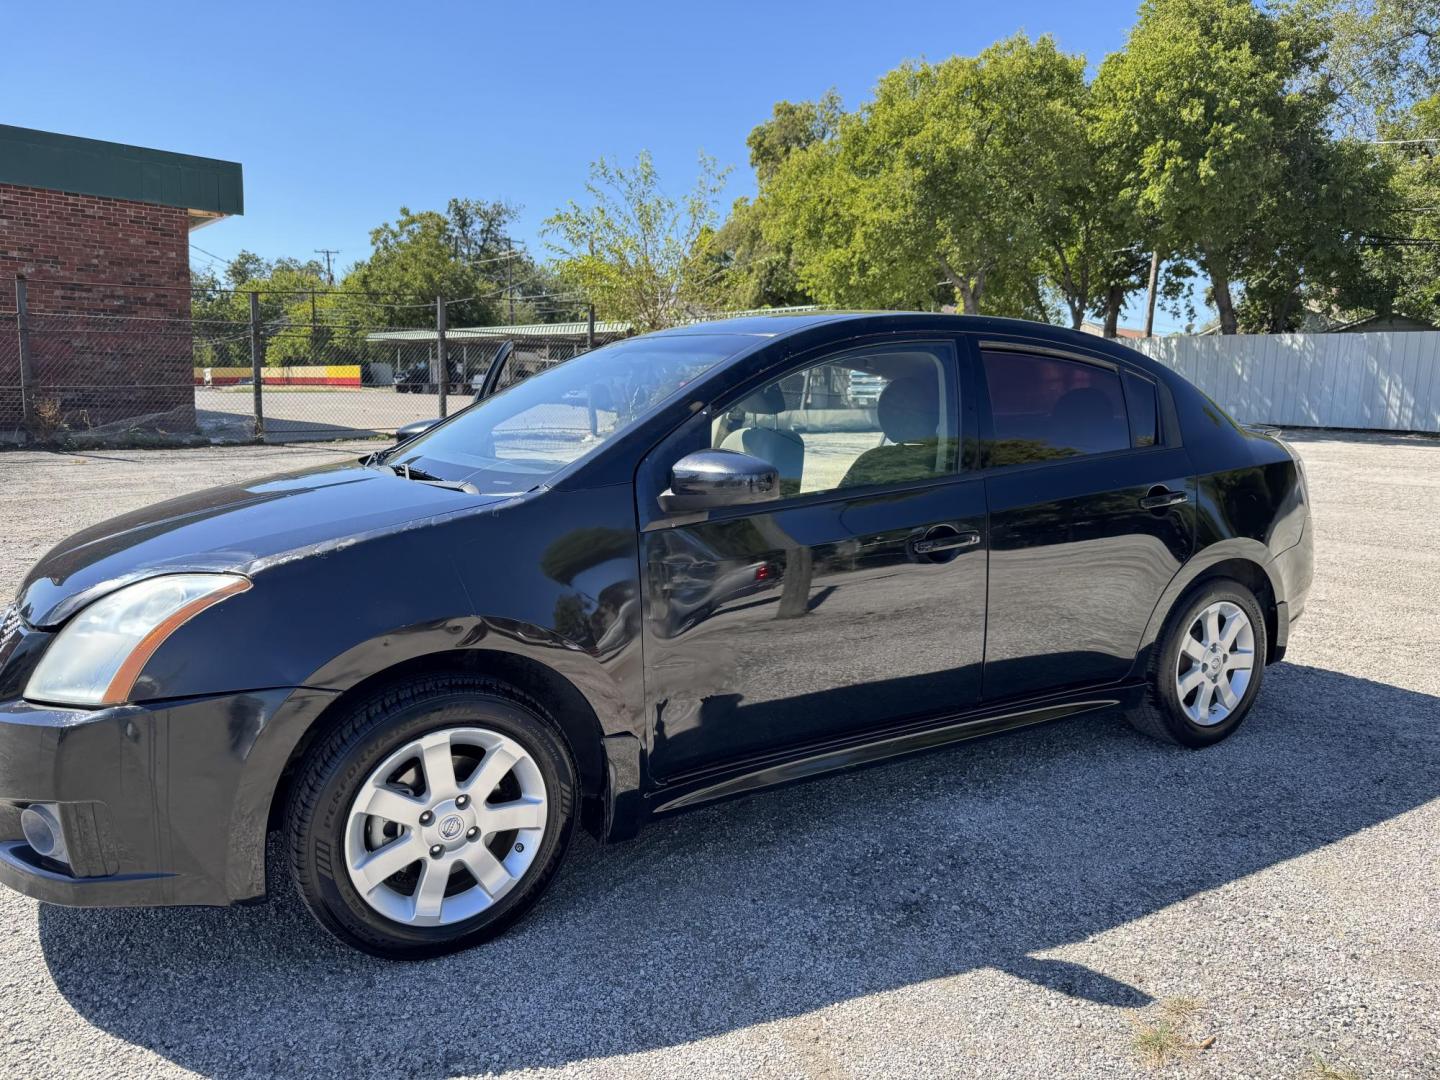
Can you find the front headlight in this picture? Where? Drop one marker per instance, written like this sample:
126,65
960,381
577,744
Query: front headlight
96,659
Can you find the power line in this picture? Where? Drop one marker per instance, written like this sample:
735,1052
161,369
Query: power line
202,251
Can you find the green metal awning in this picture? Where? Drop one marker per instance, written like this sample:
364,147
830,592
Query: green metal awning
42,159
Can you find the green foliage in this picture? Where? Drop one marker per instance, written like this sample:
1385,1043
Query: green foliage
1404,266
634,250
460,254
746,269
1003,183
792,127
949,180
1222,134
1383,58
304,320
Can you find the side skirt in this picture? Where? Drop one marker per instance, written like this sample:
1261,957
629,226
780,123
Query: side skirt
684,793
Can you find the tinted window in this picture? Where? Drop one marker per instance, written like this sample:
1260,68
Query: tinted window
1045,408
883,415
1144,415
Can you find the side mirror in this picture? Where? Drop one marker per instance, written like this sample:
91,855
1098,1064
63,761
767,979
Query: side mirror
712,478
409,431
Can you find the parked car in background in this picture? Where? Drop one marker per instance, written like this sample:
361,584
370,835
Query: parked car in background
482,385
647,580
419,378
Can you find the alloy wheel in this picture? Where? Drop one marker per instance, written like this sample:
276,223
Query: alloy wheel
1215,663
445,826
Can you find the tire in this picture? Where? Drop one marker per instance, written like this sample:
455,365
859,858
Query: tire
1184,719
496,740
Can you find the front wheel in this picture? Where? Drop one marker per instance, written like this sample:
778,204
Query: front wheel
1207,667
431,817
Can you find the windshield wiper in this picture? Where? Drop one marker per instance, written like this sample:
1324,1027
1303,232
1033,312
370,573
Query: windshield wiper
409,472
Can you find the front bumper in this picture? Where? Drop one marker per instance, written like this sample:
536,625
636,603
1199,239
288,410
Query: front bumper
166,803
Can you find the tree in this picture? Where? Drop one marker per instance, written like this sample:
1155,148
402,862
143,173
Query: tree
792,127
302,318
633,249
949,178
1402,258
1213,108
459,254
1383,58
1307,245
244,267
747,269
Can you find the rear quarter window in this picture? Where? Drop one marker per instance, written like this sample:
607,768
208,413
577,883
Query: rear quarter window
1144,411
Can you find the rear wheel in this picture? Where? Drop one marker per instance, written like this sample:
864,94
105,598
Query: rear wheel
432,817
1207,668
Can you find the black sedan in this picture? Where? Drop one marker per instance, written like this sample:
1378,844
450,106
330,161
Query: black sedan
679,568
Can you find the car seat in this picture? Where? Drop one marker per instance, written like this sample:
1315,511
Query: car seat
762,436
909,414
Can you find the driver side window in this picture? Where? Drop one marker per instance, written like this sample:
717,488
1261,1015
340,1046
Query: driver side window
878,415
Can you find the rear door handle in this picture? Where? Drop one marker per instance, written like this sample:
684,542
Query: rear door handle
1158,500
947,542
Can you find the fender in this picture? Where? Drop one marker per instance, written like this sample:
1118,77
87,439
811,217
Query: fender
1236,547
597,679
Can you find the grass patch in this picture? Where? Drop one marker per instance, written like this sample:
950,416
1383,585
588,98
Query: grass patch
1172,1035
1320,1069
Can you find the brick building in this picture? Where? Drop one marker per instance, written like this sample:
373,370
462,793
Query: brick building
100,233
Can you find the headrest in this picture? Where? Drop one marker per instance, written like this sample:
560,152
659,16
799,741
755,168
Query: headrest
767,401
909,409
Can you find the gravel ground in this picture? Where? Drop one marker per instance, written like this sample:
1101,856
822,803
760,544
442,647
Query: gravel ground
1030,905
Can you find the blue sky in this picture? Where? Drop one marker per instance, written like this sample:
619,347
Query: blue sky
341,113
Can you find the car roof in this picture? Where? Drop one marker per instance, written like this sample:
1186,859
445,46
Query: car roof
762,327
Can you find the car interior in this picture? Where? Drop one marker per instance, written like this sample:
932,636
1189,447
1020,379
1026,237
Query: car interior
864,419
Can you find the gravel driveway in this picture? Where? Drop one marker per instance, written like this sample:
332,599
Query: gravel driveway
1055,902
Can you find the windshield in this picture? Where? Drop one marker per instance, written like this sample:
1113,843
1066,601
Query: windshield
515,440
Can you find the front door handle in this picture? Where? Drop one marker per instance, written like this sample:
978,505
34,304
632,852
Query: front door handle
946,542
1159,498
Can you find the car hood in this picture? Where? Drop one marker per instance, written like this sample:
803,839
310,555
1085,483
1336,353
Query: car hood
240,528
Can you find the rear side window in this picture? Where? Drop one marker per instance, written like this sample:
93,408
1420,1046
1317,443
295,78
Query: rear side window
1044,408
1144,414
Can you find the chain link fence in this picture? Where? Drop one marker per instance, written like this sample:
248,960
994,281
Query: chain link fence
104,363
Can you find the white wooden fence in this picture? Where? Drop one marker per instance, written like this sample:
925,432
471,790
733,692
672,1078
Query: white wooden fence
1388,382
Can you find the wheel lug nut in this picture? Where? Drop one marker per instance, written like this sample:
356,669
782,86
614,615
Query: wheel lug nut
437,851
472,833
426,818
462,801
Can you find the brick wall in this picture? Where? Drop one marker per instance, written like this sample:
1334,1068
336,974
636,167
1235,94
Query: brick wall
112,346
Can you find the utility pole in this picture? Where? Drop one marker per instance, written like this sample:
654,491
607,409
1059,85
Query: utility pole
442,356
257,360
510,277
27,371
1150,304
329,273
